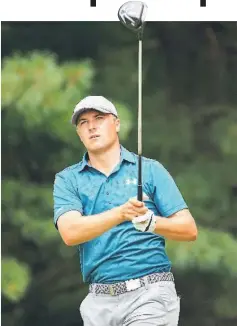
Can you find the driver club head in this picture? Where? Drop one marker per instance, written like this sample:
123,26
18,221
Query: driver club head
132,15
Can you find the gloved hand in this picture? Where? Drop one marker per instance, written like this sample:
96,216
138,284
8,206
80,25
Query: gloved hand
146,222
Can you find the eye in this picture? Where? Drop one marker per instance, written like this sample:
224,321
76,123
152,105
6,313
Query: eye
99,117
82,122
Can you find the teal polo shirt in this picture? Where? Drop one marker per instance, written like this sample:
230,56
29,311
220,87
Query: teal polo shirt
122,253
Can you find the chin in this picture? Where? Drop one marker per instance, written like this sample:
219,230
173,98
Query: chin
96,148
100,148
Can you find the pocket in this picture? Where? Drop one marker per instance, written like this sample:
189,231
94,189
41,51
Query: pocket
83,304
167,293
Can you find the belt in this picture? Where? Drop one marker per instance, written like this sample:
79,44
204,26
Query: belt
130,285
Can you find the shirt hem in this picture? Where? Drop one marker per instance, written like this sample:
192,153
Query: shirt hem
175,210
63,212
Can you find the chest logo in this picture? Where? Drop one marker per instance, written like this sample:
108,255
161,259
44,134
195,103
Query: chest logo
131,181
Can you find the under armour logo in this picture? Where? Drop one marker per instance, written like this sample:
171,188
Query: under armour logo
131,181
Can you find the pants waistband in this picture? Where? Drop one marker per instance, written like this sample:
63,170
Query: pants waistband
130,285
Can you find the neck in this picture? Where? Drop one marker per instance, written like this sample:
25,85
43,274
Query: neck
107,160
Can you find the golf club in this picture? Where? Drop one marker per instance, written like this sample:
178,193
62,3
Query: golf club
132,15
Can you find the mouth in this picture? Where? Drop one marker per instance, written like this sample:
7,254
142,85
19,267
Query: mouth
94,136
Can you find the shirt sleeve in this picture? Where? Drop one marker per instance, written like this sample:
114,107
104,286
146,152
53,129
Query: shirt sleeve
167,196
65,197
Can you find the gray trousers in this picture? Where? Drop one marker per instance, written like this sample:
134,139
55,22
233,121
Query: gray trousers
156,304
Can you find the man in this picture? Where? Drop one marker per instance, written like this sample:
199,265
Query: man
121,240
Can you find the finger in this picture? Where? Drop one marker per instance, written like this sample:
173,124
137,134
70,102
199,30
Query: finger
136,202
141,210
144,215
129,205
132,213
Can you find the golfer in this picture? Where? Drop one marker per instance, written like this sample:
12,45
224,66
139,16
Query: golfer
121,240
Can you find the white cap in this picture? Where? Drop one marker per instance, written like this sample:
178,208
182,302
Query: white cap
98,103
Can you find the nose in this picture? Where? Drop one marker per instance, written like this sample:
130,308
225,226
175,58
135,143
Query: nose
91,125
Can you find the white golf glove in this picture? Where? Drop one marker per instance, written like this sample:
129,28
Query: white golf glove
145,223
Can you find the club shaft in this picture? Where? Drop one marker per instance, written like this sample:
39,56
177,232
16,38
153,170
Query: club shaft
139,190
140,98
139,186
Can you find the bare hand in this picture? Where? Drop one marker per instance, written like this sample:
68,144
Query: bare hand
131,209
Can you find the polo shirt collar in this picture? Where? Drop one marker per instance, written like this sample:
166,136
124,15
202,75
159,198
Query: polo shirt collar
125,155
84,162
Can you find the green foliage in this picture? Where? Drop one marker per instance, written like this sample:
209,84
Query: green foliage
225,305
43,92
19,203
40,94
15,278
224,134
208,253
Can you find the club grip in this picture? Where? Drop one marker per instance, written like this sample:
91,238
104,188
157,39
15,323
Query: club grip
139,184
139,192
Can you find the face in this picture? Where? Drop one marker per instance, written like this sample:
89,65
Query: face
98,131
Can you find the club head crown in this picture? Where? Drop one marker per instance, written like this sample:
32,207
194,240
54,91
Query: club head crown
132,14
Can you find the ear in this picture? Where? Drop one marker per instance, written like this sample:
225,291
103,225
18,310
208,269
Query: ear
117,125
78,133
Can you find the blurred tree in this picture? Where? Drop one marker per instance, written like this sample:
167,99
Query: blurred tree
38,96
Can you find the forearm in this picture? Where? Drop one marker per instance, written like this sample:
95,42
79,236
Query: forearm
76,229
176,228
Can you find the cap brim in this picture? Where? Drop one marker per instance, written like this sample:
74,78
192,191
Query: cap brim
76,114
